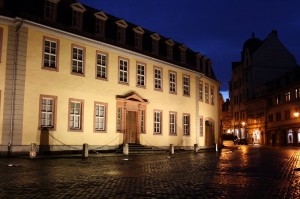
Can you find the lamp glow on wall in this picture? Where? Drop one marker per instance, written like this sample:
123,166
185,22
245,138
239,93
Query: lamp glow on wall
296,113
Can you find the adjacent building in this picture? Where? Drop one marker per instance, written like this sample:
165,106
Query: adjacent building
71,74
263,92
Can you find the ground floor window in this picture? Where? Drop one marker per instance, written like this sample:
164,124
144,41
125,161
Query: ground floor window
75,114
290,136
186,124
157,122
100,116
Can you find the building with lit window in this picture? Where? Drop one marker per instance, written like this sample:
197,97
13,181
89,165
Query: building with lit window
71,74
253,116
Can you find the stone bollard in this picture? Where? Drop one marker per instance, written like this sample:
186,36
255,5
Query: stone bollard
85,150
32,151
195,148
125,149
171,149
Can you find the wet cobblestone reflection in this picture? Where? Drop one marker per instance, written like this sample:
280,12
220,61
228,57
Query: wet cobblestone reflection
236,172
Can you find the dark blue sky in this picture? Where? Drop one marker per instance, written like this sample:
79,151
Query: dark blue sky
216,29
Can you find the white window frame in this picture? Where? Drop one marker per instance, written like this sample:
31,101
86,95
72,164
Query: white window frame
75,121
212,96
141,74
50,53
173,82
206,93
200,90
158,78
186,124
123,71
47,112
101,70
100,116
77,60
186,85
172,123
157,122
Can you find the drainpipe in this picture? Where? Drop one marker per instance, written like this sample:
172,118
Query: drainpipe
19,23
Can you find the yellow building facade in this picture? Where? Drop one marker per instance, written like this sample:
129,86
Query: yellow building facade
61,90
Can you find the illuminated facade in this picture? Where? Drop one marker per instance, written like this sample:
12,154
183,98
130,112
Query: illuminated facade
71,75
261,63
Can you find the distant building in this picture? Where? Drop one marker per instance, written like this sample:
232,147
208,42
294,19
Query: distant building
262,62
71,74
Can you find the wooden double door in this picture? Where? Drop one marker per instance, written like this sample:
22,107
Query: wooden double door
132,127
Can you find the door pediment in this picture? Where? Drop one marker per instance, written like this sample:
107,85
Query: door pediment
132,96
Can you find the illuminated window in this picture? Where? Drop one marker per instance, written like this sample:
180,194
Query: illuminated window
297,93
172,123
75,114
186,124
123,71
157,78
290,136
157,122
100,116
141,75
47,111
298,135
101,65
186,85
78,60
50,55
172,82
287,96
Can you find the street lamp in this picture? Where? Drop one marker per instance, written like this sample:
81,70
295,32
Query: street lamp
296,113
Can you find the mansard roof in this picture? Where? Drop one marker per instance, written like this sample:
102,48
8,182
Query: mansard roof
33,10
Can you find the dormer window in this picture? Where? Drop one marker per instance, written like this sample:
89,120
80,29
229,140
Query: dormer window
198,61
100,23
121,31
203,64
138,38
155,43
1,4
183,49
50,10
170,45
77,15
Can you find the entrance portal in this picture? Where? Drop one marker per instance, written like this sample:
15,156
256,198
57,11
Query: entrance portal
131,123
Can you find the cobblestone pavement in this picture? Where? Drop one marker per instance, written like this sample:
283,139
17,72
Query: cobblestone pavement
235,172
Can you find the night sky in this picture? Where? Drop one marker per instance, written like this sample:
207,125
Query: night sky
214,28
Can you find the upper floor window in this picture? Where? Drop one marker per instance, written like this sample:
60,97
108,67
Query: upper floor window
186,85
183,49
47,111
157,78
155,43
270,116
287,96
50,54
75,114
201,90
277,99
172,82
206,93
172,123
141,75
50,9
78,54
278,116
157,122
121,31
77,15
100,116
186,124
170,45
212,92
101,17
101,65
138,37
123,70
